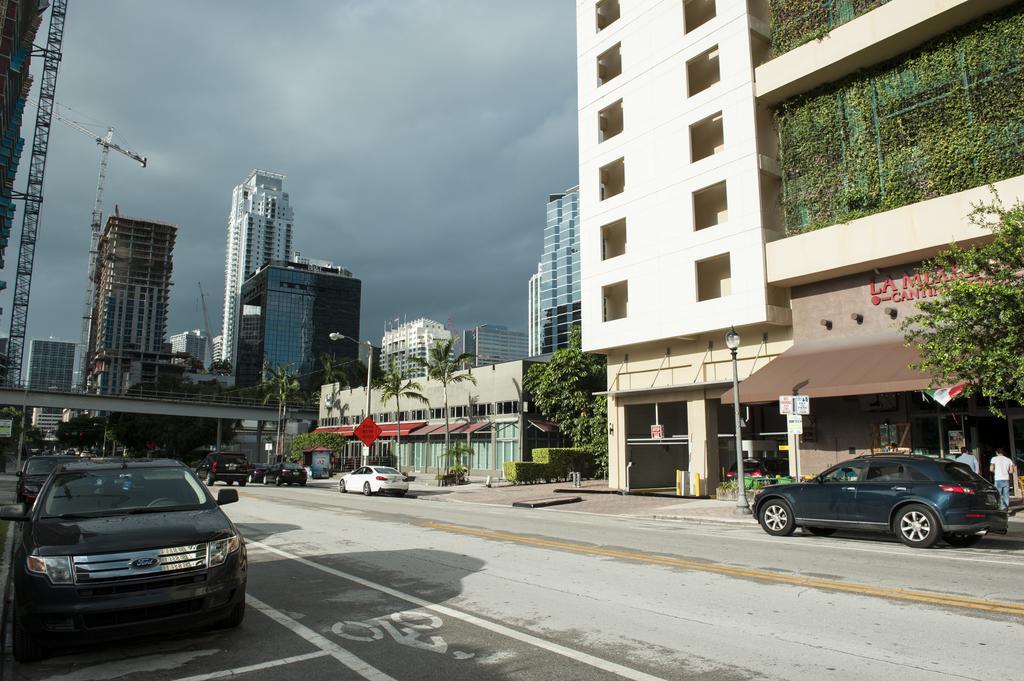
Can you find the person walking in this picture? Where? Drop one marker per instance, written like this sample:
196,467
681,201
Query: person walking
1002,468
970,460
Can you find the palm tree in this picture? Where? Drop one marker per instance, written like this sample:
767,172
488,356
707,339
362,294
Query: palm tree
441,367
394,386
279,383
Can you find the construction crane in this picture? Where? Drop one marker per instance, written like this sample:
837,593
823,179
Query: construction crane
206,321
33,195
106,143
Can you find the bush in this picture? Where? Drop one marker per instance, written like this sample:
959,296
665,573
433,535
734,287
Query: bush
565,460
526,472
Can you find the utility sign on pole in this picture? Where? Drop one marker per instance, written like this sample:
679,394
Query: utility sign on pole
795,404
6,426
795,424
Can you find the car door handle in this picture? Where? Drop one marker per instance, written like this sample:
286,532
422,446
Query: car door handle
899,489
849,489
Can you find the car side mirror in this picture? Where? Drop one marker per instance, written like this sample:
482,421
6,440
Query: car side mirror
227,496
14,512
18,474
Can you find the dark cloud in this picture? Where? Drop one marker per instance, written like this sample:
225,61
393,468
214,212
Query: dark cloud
420,138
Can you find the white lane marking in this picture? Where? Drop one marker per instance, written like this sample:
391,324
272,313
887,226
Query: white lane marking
330,647
405,628
238,671
585,658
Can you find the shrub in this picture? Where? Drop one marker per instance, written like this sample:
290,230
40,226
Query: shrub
526,472
564,460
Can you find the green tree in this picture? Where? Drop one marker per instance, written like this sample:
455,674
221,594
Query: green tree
221,367
973,331
279,383
563,390
175,435
304,441
442,366
81,431
394,386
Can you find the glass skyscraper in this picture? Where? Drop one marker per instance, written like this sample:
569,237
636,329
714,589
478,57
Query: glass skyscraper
288,311
493,344
555,294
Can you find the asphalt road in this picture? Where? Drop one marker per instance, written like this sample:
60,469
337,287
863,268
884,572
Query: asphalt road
387,588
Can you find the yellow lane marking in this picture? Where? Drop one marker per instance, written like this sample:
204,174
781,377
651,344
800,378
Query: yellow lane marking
896,594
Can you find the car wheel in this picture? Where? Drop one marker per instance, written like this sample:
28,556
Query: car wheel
400,492
961,541
776,518
235,618
229,482
366,489
278,482
210,480
821,531
241,483
27,647
917,526
341,486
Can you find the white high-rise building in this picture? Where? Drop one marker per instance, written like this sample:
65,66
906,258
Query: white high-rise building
194,343
259,231
533,322
404,341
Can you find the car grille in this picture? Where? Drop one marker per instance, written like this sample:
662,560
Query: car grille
155,612
107,567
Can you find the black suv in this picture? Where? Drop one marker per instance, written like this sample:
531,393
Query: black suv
227,467
115,548
919,499
33,474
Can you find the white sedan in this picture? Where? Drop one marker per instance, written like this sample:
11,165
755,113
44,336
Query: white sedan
373,480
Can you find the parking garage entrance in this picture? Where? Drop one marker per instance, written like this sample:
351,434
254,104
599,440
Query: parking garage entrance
657,446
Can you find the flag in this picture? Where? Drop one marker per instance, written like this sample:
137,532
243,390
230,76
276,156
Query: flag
944,395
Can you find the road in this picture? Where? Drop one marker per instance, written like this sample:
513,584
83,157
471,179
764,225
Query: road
347,587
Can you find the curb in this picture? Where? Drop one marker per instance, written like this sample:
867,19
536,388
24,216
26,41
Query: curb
703,520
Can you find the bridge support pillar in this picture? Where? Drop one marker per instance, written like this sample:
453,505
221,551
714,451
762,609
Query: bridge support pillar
219,433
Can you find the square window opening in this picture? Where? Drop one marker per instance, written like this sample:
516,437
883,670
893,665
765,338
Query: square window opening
707,137
714,278
613,179
702,72
609,64
615,298
613,239
696,13
710,206
607,13
609,121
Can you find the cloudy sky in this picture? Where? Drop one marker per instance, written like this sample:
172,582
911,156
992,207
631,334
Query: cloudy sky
420,139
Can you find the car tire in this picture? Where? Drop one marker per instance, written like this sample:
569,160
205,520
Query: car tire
235,618
917,526
367,490
341,487
400,492
278,482
821,531
776,518
210,480
229,482
962,541
241,483
26,647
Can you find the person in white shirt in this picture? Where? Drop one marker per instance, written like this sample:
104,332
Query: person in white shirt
1002,467
970,461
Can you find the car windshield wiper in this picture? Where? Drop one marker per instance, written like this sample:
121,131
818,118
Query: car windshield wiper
158,509
76,516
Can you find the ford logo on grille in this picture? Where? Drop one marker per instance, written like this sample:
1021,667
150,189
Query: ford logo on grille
140,563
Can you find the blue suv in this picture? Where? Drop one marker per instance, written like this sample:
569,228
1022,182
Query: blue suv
919,499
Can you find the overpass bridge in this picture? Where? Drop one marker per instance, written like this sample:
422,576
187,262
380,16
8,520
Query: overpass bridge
161,403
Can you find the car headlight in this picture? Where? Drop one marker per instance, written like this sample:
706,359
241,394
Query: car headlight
218,551
56,568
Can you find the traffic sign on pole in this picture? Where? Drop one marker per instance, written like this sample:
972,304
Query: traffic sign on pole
795,404
368,431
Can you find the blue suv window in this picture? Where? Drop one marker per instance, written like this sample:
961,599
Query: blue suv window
850,472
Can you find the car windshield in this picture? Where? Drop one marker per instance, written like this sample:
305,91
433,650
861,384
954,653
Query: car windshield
292,466
232,458
40,466
119,491
386,470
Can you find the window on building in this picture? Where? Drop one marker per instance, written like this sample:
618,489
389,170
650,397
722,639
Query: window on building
613,239
714,278
609,64
707,137
607,13
613,179
702,72
696,13
615,298
609,121
710,206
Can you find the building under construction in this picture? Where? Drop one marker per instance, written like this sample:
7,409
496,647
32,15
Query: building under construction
128,345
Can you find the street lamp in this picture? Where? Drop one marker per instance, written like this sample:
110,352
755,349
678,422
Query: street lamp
732,341
335,336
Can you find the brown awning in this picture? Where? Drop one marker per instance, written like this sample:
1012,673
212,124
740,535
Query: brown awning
833,368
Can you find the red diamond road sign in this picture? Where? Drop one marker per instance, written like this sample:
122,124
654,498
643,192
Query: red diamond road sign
368,431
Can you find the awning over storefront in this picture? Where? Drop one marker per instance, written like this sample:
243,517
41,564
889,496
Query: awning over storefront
544,426
833,368
430,430
346,431
474,427
392,429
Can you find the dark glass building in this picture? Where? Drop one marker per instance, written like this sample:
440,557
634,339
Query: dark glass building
288,311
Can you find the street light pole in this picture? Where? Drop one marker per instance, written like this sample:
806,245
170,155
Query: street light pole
369,380
732,341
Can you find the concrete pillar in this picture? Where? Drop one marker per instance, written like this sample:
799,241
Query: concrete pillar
702,421
616,444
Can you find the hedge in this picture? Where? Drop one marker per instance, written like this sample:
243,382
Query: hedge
795,22
526,472
941,119
550,463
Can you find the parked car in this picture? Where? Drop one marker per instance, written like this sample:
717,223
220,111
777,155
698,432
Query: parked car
373,480
33,474
257,471
919,499
285,474
760,468
121,548
228,467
